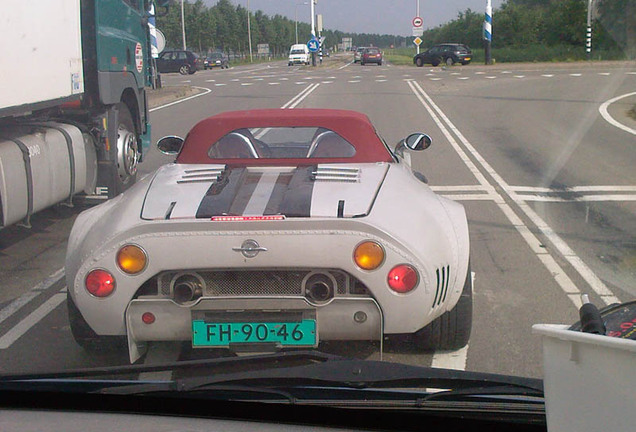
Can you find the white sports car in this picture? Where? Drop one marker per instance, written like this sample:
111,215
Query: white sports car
274,229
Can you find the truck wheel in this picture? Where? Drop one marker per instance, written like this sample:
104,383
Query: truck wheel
450,331
86,337
184,69
127,149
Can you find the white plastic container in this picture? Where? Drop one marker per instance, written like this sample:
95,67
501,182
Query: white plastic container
589,380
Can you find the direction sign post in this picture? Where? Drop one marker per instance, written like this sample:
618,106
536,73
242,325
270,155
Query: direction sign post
417,28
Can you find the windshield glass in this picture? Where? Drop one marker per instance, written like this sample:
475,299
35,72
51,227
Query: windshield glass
502,190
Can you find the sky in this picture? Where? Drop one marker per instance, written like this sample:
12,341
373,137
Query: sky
369,16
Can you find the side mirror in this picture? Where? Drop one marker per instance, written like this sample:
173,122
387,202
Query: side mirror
170,145
418,141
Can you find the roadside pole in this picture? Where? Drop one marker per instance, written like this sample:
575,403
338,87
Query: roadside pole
488,32
313,30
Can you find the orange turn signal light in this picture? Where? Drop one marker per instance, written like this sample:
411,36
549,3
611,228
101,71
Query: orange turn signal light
368,255
131,259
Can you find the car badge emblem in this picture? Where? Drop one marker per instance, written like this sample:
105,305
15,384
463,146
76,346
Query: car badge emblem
249,248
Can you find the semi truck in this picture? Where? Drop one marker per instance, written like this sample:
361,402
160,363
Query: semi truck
73,112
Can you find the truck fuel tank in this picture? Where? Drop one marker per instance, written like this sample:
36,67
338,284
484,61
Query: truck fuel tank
42,164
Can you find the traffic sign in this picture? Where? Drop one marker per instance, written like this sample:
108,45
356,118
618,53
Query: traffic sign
417,22
417,41
313,45
418,31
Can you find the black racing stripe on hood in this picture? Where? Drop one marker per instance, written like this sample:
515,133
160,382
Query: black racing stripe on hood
294,198
221,194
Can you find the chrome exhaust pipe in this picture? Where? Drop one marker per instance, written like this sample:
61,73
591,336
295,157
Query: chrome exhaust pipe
186,289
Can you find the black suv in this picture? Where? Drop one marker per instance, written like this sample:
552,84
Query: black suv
217,59
448,53
184,62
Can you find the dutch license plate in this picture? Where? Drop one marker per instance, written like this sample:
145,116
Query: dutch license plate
206,334
467,58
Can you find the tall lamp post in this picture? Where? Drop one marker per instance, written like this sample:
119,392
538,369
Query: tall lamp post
249,32
183,26
296,18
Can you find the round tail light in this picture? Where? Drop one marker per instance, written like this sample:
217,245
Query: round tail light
131,259
402,278
100,283
368,255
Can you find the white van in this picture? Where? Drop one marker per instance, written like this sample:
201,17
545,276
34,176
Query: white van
298,54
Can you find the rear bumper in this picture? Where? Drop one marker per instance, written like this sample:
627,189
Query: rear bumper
338,319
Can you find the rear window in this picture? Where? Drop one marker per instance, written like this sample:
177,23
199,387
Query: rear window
373,51
281,143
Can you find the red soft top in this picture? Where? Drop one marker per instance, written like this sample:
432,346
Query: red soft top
353,126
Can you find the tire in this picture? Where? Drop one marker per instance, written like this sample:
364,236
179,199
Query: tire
450,331
450,61
127,149
86,337
436,62
419,62
379,63
184,69
361,63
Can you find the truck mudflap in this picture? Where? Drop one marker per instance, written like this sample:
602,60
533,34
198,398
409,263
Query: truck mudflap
42,164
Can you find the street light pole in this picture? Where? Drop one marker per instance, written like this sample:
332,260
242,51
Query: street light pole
296,18
417,13
249,32
183,26
313,30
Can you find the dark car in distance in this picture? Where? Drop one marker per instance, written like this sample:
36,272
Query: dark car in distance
371,55
447,53
184,62
217,59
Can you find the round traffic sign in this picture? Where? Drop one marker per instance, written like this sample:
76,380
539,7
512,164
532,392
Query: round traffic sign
313,45
417,22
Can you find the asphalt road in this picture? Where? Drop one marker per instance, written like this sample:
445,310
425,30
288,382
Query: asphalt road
548,184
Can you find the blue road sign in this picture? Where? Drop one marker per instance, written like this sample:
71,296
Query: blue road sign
313,45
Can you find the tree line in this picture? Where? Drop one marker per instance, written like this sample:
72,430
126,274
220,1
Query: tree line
517,23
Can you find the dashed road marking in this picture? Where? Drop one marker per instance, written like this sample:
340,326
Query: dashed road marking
547,75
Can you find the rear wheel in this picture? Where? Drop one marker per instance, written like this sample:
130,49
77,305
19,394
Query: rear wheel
127,149
450,61
436,61
450,331
86,337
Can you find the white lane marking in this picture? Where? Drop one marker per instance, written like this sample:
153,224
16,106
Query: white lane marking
284,79
430,74
462,78
331,77
207,90
25,298
506,72
247,84
520,76
584,198
480,73
599,188
460,188
354,81
300,82
576,74
608,118
490,77
450,359
547,75
469,197
186,81
630,73
210,80
327,82
342,67
455,73
30,320
274,83
565,282
380,80
235,79
300,96
219,85
604,73
435,79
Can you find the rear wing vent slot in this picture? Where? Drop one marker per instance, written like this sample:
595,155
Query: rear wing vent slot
336,173
201,175
443,276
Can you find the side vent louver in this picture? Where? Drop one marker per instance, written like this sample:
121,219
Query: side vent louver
443,276
201,175
335,173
